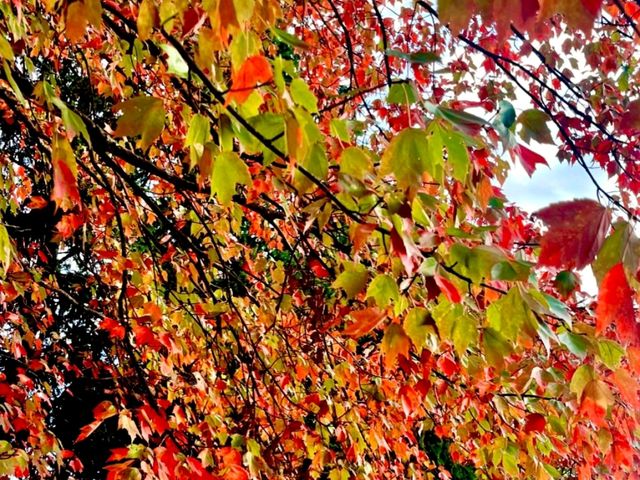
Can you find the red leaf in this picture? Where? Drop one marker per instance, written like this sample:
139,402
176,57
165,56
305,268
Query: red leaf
69,223
615,306
576,232
529,159
145,336
104,410
365,321
157,421
254,71
408,252
535,423
114,329
65,186
448,289
318,269
36,202
630,119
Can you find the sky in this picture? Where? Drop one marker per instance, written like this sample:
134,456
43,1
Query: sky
557,183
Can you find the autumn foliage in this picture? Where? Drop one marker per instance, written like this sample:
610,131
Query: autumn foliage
263,239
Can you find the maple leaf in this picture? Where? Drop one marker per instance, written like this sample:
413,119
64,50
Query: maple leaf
394,343
615,306
455,13
255,70
365,321
147,19
65,191
529,159
228,171
142,116
115,329
535,423
448,288
576,232
579,14
630,119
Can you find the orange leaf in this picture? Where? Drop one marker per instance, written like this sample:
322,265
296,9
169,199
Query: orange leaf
255,70
596,399
394,343
365,321
628,387
576,232
615,306
104,410
37,202
75,21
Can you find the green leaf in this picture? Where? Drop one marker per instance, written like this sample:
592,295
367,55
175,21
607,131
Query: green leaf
356,162
576,344
141,116
556,308
339,129
6,249
73,122
228,171
197,137
402,94
175,63
534,126
303,96
316,163
353,279
406,157
510,271
459,117
454,325
581,377
464,334
12,82
566,282
457,154
507,114
610,353
416,57
611,251
269,125
384,290
6,52
511,316
418,325
198,133
495,347
476,263
288,38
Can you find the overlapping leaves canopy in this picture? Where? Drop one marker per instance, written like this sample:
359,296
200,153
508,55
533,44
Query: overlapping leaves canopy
267,239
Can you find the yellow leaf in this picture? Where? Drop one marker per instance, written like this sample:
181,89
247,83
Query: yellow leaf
147,18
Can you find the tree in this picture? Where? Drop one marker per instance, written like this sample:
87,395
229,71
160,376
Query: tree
261,239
